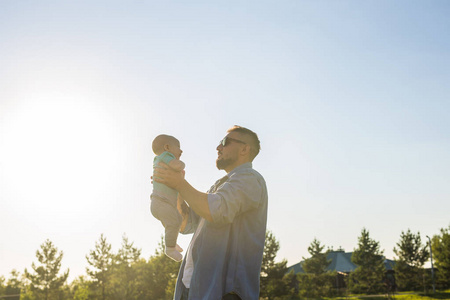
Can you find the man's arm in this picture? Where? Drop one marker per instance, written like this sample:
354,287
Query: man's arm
197,200
183,209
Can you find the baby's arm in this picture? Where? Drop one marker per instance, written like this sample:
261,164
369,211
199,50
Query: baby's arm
176,164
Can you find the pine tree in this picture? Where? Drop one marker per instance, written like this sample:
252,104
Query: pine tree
80,289
317,282
100,262
45,283
271,247
14,286
156,278
368,276
272,273
318,262
123,279
2,285
412,255
441,254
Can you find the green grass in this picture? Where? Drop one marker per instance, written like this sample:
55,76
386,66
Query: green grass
399,296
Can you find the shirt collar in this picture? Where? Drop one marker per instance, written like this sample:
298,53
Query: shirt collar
240,167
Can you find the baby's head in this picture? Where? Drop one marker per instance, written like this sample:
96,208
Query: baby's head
167,143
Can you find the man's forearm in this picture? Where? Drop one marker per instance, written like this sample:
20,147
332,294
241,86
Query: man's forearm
197,201
183,209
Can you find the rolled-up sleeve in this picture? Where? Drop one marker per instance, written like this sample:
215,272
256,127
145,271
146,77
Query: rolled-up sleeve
192,223
240,193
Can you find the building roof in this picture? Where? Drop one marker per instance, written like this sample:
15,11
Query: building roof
341,262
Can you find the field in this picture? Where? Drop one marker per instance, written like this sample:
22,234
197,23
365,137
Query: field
399,296
402,296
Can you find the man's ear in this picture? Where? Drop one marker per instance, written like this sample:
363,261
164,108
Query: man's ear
166,147
245,150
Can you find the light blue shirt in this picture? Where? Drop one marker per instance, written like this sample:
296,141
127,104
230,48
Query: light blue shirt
227,253
160,188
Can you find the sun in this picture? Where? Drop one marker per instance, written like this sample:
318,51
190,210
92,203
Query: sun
56,153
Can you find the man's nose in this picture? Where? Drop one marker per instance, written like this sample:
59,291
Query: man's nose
218,147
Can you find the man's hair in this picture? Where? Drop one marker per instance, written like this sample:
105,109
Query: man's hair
254,140
159,142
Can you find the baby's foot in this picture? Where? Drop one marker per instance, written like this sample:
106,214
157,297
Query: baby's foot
173,253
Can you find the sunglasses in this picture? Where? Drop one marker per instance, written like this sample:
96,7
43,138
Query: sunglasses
226,140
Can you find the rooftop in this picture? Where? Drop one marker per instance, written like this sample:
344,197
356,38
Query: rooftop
341,262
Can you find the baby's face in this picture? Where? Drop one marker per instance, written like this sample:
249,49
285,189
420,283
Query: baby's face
174,148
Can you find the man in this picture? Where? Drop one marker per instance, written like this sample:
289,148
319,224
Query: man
224,258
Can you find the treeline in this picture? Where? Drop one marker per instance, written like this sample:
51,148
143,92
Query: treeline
370,276
109,275
126,275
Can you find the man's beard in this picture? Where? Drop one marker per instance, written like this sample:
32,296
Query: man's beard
223,163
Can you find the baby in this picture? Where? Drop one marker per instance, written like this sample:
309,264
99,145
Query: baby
164,199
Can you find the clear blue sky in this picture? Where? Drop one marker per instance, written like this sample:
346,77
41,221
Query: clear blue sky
350,100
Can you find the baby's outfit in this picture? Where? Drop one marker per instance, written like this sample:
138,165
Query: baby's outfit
164,207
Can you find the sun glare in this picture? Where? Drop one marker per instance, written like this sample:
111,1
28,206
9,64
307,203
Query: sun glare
56,154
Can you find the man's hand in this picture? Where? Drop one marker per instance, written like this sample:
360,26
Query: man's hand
197,201
166,175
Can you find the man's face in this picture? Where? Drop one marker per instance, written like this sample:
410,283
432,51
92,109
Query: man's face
228,154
